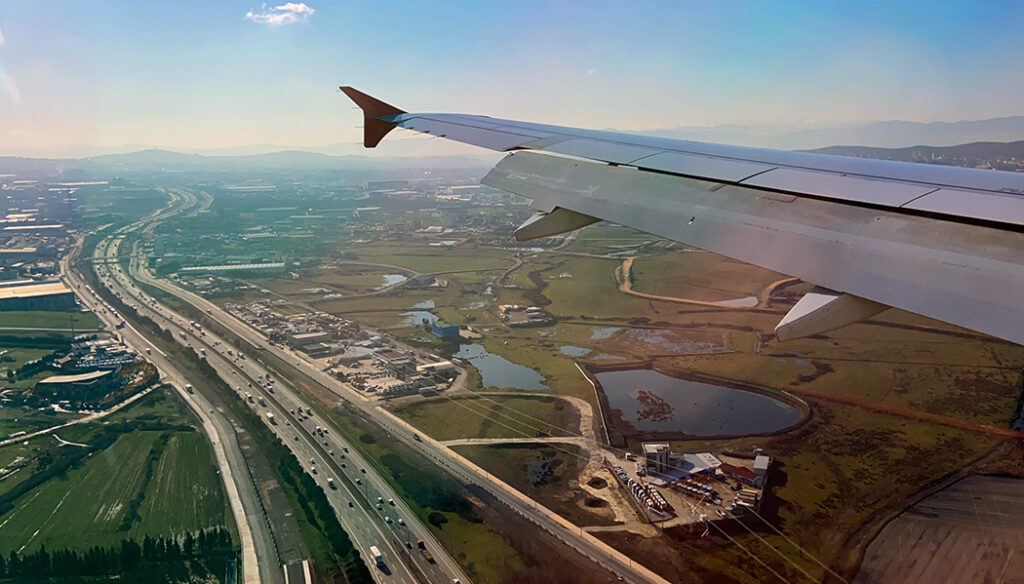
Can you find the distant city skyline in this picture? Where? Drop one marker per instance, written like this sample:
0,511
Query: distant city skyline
237,73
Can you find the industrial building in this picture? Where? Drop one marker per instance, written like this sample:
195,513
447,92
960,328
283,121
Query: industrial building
266,267
445,330
46,296
657,456
83,387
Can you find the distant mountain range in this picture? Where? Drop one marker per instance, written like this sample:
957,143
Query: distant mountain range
972,151
892,134
154,160
888,134
966,143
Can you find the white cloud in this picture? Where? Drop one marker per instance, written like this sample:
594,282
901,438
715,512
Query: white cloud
288,13
11,88
1,37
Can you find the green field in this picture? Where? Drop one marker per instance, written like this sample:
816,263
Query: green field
491,416
11,358
422,258
157,479
28,420
48,319
699,275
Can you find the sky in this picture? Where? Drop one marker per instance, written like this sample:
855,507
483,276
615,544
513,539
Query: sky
233,73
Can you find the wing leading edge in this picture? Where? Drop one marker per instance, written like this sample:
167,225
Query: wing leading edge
944,242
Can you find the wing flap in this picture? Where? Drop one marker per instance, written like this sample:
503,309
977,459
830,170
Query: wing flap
954,272
984,206
720,169
836,186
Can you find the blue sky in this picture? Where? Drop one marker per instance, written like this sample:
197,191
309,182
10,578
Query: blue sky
203,74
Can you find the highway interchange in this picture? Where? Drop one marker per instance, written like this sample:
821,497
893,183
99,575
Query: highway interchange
365,524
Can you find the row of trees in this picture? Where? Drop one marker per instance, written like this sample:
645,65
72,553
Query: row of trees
128,557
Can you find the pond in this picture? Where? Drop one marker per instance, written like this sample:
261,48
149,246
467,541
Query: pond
391,280
498,371
746,301
573,351
653,401
424,304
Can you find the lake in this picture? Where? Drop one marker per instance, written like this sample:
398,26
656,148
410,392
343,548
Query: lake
653,401
498,371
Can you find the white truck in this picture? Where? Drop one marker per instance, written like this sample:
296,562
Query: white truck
271,419
378,558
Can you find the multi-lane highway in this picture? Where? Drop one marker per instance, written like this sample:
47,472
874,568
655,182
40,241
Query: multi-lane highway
369,510
259,559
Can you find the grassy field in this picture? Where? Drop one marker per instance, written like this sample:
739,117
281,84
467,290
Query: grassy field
28,420
186,491
490,416
545,473
11,358
699,275
147,482
48,319
424,259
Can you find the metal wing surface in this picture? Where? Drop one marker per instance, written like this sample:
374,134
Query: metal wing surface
943,242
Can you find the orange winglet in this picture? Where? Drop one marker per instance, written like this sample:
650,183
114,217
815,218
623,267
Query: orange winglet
374,128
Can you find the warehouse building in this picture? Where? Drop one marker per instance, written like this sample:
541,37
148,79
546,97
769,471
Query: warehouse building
84,387
48,296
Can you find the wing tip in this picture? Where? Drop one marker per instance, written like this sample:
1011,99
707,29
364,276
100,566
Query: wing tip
374,128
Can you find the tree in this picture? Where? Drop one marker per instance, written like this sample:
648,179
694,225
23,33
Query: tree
131,554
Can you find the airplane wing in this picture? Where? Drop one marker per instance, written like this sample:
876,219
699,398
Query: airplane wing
944,242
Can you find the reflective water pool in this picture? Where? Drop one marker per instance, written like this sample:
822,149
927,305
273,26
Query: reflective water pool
653,401
498,371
